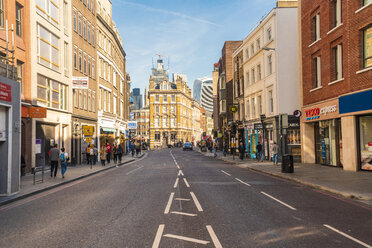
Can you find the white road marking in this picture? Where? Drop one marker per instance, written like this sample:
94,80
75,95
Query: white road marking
226,173
182,213
176,183
178,167
237,179
197,204
134,170
187,184
159,233
180,173
348,236
285,204
203,242
181,199
166,211
215,240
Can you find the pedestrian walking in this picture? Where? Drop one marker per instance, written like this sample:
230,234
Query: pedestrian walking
133,148
241,150
103,153
120,153
91,155
275,151
95,156
63,157
225,148
259,152
54,157
115,153
138,149
87,153
215,147
108,152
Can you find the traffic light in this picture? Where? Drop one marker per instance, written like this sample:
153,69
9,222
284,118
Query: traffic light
233,129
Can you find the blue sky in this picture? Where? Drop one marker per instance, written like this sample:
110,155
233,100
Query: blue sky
190,33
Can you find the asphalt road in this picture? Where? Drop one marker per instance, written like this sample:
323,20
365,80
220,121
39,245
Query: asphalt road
174,198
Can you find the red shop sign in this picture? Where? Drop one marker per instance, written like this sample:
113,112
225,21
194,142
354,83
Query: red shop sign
5,92
312,112
369,143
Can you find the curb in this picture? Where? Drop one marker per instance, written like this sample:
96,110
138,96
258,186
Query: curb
65,182
316,186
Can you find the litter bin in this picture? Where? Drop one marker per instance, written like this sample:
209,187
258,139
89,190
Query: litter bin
287,163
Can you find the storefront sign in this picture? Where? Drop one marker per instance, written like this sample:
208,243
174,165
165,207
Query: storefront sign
295,124
37,112
323,111
269,126
258,126
5,92
38,146
80,82
369,143
89,140
297,113
357,102
88,130
249,126
132,125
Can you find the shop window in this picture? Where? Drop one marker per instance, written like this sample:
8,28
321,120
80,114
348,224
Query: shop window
365,134
367,47
293,137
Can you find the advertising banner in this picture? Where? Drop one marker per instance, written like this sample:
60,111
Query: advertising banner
132,125
80,82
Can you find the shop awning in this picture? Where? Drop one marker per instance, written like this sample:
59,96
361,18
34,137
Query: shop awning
108,130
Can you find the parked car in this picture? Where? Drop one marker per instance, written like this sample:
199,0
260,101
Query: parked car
187,146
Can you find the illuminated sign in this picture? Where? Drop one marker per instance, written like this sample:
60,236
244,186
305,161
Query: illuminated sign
315,113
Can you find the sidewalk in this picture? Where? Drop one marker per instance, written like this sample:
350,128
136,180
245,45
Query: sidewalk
354,185
73,173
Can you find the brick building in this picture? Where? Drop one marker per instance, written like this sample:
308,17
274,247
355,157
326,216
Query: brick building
336,83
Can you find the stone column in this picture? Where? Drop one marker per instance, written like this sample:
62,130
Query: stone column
349,143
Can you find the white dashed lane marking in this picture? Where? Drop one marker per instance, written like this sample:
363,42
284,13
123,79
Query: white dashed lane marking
197,203
166,211
283,203
214,238
187,184
226,173
198,241
176,183
183,213
237,179
348,236
159,233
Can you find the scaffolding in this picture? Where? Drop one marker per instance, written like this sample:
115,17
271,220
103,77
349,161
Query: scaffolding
7,58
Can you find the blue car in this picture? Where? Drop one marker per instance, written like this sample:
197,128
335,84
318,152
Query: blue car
187,146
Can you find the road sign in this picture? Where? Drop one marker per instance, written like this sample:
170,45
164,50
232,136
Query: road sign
233,109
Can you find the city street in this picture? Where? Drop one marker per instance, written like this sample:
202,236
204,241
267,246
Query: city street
175,198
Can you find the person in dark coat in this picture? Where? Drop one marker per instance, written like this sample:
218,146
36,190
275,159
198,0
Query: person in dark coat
120,153
241,150
259,152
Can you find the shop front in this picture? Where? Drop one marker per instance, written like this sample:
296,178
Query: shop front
254,135
322,133
356,111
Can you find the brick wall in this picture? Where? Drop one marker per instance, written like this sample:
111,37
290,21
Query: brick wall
349,34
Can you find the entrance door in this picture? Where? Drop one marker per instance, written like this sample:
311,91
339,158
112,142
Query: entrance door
327,142
45,136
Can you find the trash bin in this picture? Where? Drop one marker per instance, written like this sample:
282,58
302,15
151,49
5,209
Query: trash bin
287,163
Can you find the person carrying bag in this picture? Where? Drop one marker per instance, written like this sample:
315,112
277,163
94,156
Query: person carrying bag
63,158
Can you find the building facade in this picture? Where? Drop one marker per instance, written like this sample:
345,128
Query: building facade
112,79
336,122
142,117
170,109
266,74
137,99
203,93
84,79
51,76
197,131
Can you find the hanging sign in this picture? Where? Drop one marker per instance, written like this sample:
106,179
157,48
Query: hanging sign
5,92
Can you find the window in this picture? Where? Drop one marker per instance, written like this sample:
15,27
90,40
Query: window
165,122
99,7
93,69
109,73
157,109
157,134
1,13
316,73
337,62
49,10
258,72
93,36
92,6
247,79
48,48
74,19
366,2
88,4
99,68
81,100
157,125
315,29
85,28
253,75
85,64
173,109
259,104
165,98
80,26
51,93
253,100
65,16
223,83
271,102
19,71
19,19
88,32
367,47
252,49
76,98
114,103
246,54
173,98
109,102
100,39
269,34
80,61
223,106
114,78
165,110
258,44
337,12
85,100
157,98
269,64
89,66
66,60
173,123
109,47
248,110
89,100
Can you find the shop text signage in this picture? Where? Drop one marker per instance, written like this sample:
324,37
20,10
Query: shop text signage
37,112
5,92
80,82
315,113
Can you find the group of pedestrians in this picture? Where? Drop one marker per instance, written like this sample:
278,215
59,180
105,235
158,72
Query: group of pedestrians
57,156
107,151
135,148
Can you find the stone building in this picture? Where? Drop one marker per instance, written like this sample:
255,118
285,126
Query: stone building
170,109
